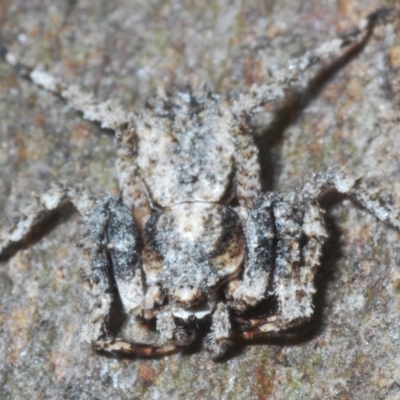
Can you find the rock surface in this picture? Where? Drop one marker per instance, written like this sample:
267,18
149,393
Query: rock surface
125,49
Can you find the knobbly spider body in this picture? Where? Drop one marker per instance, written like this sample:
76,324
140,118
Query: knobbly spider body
192,238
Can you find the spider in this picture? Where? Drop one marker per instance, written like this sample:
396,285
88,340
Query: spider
191,238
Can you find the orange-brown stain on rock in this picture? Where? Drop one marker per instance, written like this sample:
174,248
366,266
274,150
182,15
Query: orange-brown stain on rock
18,325
394,57
263,382
20,146
396,285
146,372
40,119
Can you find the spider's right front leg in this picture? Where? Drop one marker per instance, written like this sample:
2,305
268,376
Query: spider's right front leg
337,53
114,274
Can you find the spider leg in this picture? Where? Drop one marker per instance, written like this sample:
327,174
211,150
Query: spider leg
132,188
295,245
357,190
300,234
256,328
260,244
124,347
38,210
219,338
247,175
114,275
294,76
108,115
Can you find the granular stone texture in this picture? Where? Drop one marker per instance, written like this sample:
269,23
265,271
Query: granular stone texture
126,50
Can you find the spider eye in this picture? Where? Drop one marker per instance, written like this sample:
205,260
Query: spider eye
188,295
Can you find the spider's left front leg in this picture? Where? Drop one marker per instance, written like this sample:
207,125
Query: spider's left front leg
284,239
111,246
108,115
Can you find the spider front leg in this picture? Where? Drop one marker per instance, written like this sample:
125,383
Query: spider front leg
114,275
36,213
285,236
109,116
337,52
133,191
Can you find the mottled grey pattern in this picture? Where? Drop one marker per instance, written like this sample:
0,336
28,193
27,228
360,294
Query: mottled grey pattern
276,370
192,256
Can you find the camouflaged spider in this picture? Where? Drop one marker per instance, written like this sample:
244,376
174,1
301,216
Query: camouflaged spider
191,237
